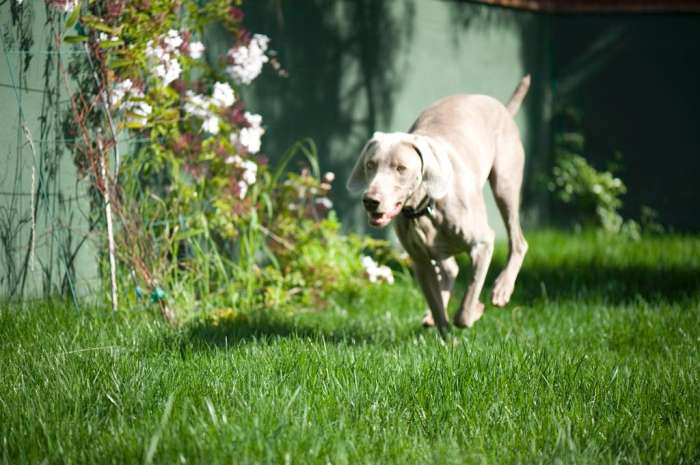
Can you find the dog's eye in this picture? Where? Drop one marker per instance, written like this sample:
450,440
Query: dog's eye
400,168
371,165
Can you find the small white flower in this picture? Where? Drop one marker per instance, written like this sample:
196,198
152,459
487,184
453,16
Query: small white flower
172,39
384,273
197,105
141,111
211,124
234,160
249,138
368,262
250,171
242,189
196,50
376,273
223,94
248,60
324,202
62,5
164,60
329,177
119,91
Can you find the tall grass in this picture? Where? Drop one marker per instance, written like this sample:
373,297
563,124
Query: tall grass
595,361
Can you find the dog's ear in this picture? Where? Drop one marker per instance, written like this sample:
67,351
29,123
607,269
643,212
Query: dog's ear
358,178
437,169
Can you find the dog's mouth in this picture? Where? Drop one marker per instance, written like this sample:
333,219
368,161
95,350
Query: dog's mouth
381,219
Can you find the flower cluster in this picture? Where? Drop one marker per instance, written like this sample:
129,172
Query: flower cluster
163,54
62,5
249,172
130,98
376,273
205,108
246,61
249,137
322,202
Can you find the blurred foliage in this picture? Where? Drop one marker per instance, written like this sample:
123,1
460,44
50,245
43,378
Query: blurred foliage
592,197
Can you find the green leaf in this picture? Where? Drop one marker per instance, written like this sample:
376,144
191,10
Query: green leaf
97,24
111,43
74,39
120,63
73,18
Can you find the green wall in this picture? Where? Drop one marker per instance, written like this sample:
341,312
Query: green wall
360,66
62,261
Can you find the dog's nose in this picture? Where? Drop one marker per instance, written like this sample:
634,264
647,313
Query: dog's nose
371,204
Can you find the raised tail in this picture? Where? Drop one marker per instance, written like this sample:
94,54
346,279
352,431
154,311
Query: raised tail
518,96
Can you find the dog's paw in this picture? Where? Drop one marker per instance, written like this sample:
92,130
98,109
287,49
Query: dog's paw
428,321
466,319
502,290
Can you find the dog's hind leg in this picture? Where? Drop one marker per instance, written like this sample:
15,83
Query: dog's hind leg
446,271
506,179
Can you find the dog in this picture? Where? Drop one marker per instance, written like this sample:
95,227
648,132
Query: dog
429,182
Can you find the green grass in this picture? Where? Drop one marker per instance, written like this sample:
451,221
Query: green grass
595,361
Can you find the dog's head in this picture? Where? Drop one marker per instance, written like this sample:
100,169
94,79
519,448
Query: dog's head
392,166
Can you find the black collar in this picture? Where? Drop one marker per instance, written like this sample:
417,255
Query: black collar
425,207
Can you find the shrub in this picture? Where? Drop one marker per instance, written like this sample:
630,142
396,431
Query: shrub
201,220
594,196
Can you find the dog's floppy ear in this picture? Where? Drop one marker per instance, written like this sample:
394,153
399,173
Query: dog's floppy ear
358,178
437,169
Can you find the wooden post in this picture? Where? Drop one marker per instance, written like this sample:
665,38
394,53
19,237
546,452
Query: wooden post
110,230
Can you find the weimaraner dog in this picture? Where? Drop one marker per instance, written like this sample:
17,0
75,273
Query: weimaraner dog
430,182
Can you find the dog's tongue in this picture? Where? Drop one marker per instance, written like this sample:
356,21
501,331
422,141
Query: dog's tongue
381,219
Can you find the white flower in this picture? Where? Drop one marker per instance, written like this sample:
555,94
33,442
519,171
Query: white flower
196,50
164,59
242,189
376,273
141,111
119,91
105,38
324,202
197,105
223,94
250,171
172,39
234,160
249,138
247,61
211,124
329,177
62,5
156,52
168,70
384,273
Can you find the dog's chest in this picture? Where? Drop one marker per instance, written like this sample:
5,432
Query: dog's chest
431,235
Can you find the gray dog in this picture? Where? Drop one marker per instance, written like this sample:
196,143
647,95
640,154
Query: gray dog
430,180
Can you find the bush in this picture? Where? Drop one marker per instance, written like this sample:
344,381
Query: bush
594,197
201,221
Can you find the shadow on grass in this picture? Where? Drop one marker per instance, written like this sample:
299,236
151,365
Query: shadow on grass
607,283
271,328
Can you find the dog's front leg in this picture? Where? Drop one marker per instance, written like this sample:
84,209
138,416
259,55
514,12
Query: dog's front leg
427,278
471,308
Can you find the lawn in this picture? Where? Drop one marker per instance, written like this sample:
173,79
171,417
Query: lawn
595,361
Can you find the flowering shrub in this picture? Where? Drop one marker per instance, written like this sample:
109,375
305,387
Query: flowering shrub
203,221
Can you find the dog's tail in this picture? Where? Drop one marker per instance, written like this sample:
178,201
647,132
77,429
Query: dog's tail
518,96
